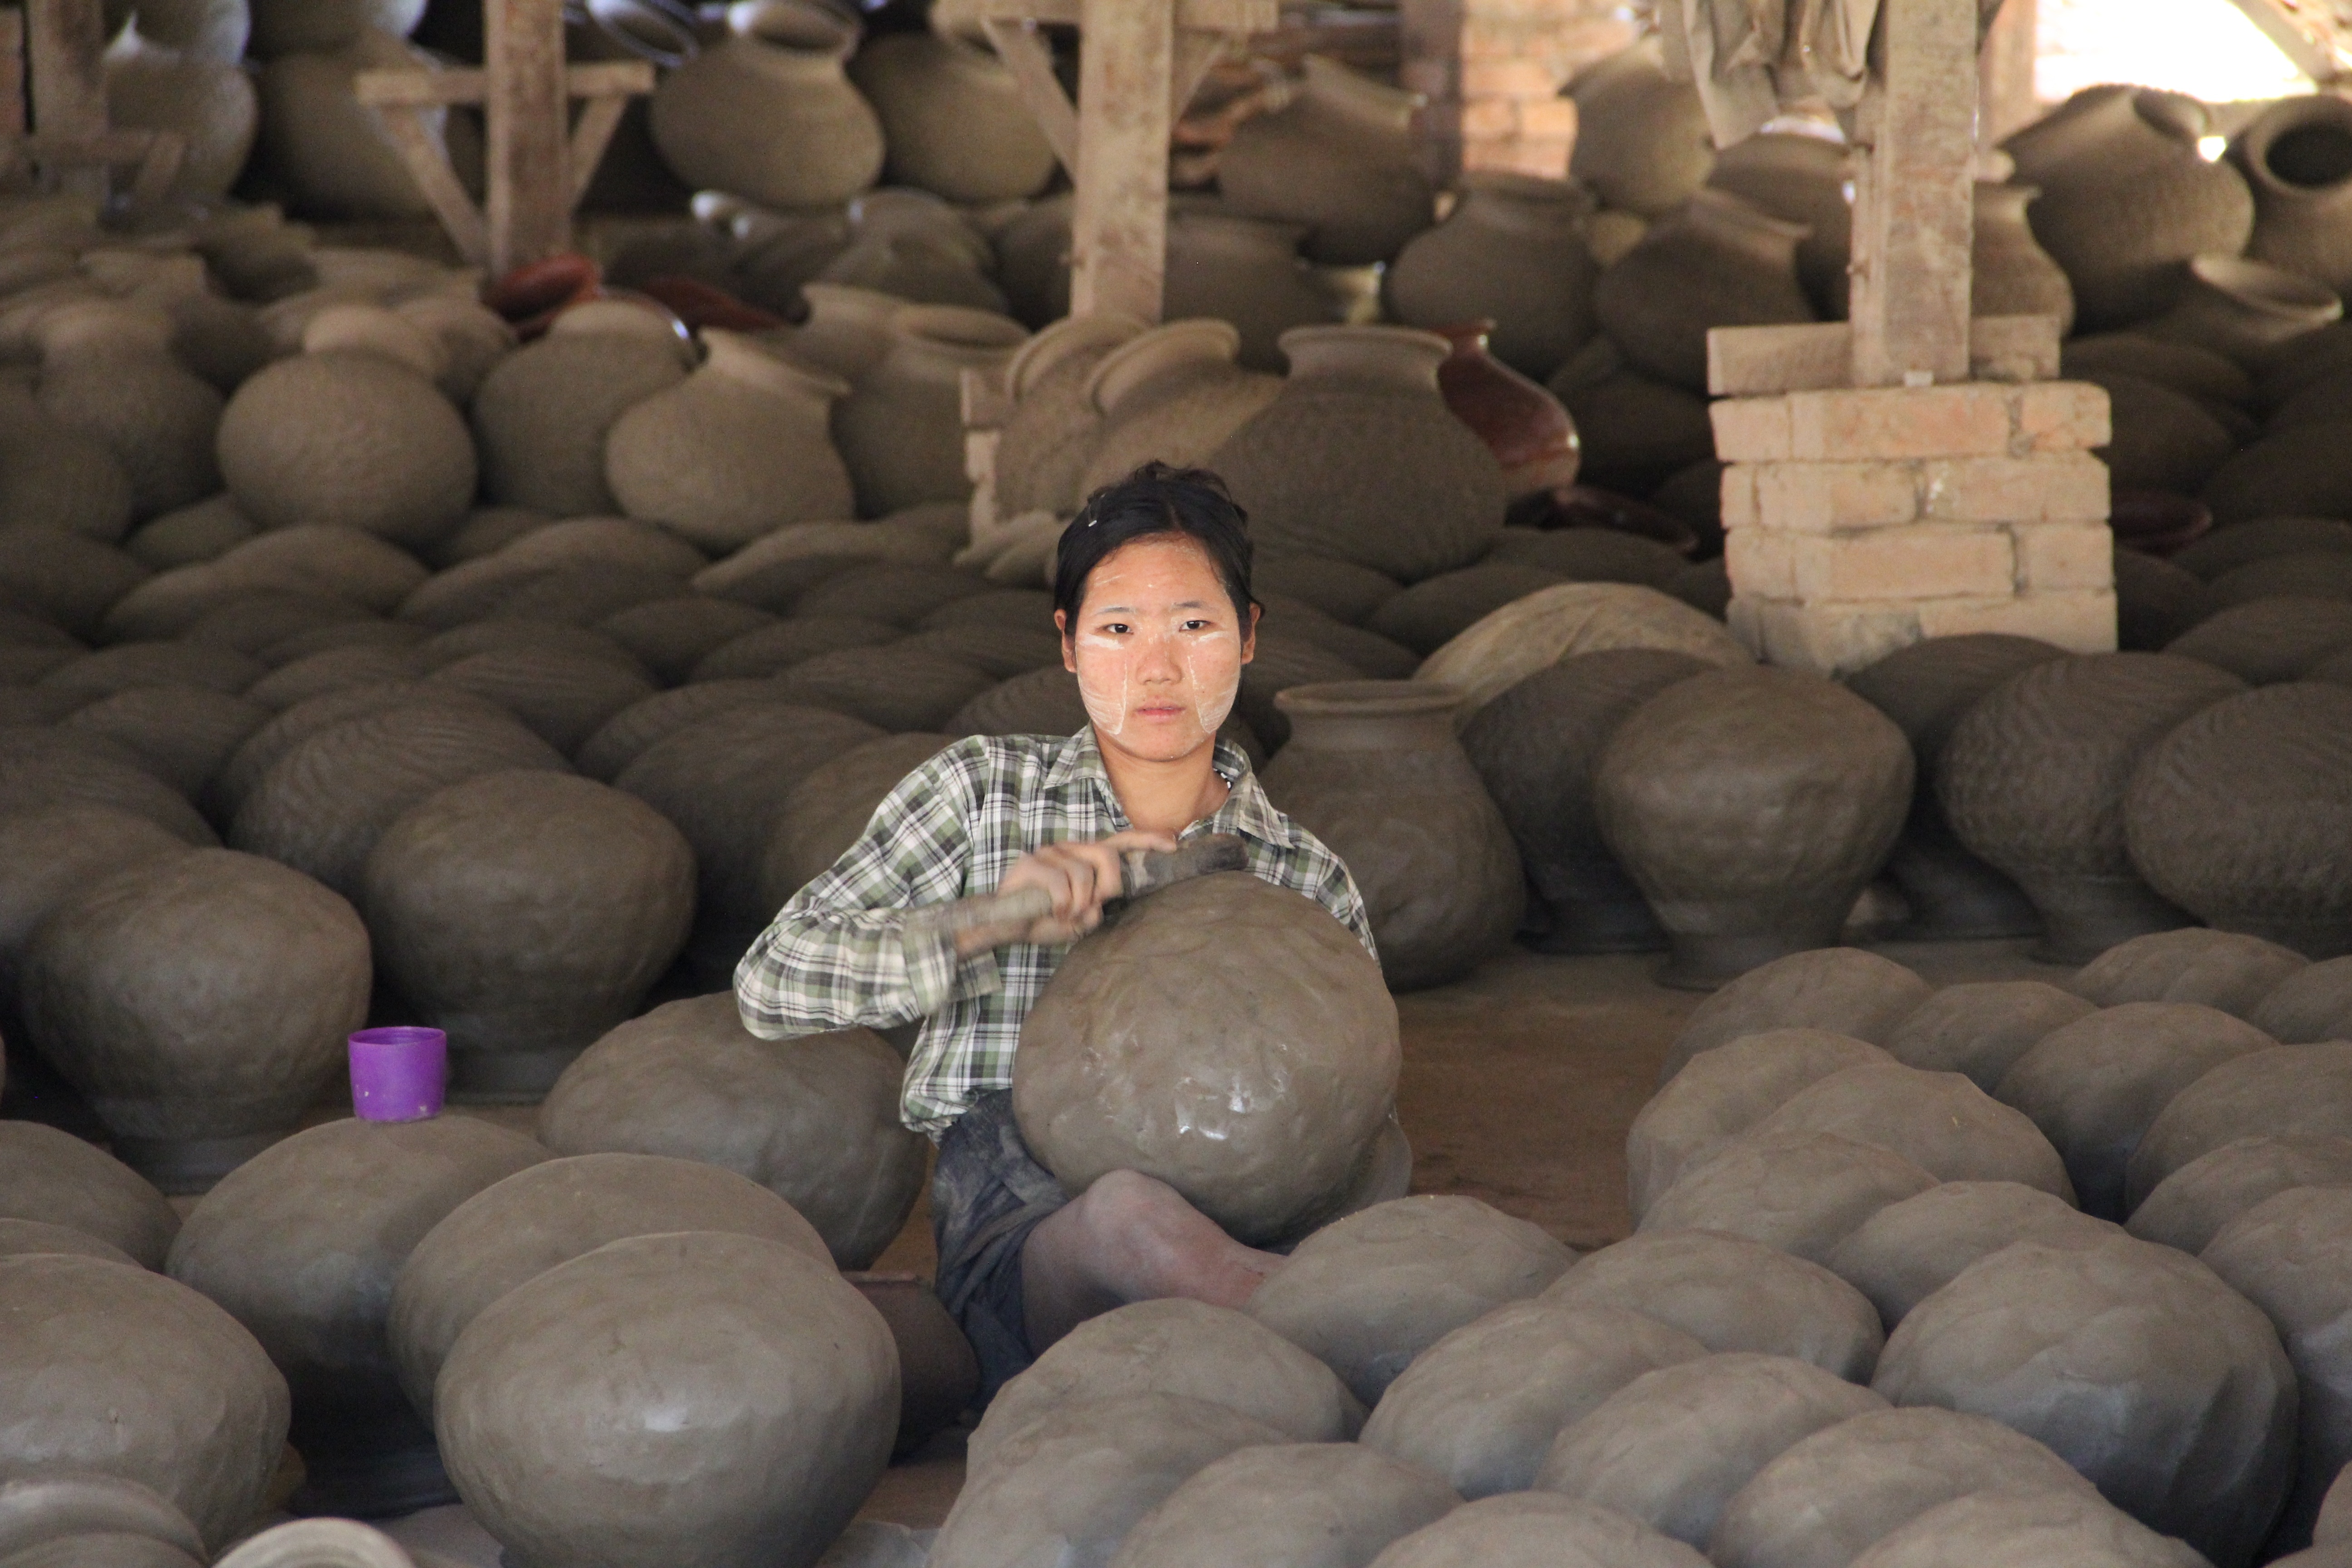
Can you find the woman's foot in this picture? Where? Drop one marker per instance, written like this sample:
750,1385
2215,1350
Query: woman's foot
1130,1237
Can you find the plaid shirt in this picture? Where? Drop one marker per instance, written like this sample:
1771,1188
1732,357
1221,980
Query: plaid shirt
953,827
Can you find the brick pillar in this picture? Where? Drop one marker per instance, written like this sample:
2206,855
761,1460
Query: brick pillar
1492,71
1862,520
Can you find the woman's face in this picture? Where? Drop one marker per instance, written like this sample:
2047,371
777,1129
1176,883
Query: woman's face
1157,648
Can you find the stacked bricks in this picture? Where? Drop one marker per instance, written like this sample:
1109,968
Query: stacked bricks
1860,519
1492,71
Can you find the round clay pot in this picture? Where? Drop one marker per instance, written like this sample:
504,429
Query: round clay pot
2190,1206
497,921
1042,452
900,430
1513,251
2034,779
1730,895
783,1437
1912,1248
2296,155
27,1238
52,479
827,812
2280,1089
287,26
2009,273
2313,1005
1309,1503
70,1516
2164,439
768,114
670,636
1842,990
1994,1526
952,118
2288,473
1540,629
332,150
199,1002
561,698
2219,969
2236,816
1173,1346
50,855
2127,198
2215,380
2200,1448
57,1181
67,579
1980,1029
2247,310
1372,769
1642,143
1803,178
1522,423
1729,1294
1719,261
518,1229
111,1369
816,1123
772,649
1228,267
40,769
1094,1090
180,734
1673,1446
108,373
2269,641
349,439
1368,1294
2321,573
1358,457
1174,393
1528,1530
1481,1406
1339,158
891,686
363,1195
1802,1192
1538,748
1940,1122
1435,610
541,416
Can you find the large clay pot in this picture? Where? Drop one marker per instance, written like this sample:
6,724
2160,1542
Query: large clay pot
2000,1525
53,479
2164,440
1908,1251
349,439
1842,989
953,120
199,1002
2295,472
2237,816
1373,769
1803,178
901,429
332,149
1227,266
2188,1208
1103,1084
1288,1503
1042,452
361,1194
1927,688
1636,431
2251,312
2297,157
2219,969
1718,261
1175,393
828,811
112,1369
2202,1447
107,370
203,29
1513,250
2009,274
768,114
2033,777
814,1119
1359,458
526,913
286,27
208,102
2127,198
56,1181
1642,141
542,416
736,450
1805,790
1522,423
1337,158
2282,1089
562,697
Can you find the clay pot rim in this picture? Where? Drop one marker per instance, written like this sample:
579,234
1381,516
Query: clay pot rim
1319,351
1712,203
1369,698
739,357
959,333
1359,97
375,329
1144,358
71,324
2270,291
2252,150
873,302
828,35
1053,344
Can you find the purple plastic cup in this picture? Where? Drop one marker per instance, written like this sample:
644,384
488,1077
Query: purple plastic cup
398,1073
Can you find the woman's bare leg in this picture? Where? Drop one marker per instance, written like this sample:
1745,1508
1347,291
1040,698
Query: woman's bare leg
1130,1237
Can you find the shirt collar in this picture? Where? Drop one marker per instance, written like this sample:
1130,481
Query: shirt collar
1246,810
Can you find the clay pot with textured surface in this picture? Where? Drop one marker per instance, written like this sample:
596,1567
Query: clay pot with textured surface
332,149
543,414
1993,1526
1337,158
653,1447
56,1180
1730,1294
2249,312
1642,142
1103,1085
2297,157
1981,1027
1719,261
768,114
828,811
1842,989
1042,453
2188,1208
952,118
1803,178
1910,1250
901,429
1228,267
2224,970
2011,274
1288,1503
1830,774
1802,1192
1512,251
200,1002
1173,392
1372,768
1539,629
814,1119
2280,1089
361,1194
1359,458
108,372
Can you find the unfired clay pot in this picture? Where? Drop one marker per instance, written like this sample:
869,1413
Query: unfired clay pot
55,1180
1042,452
1174,393
2220,969
359,1195
1225,265
1337,158
828,811
210,103
111,1369
2282,1089
2296,156
2315,1004
768,114
1112,1079
1800,178
1513,251
1912,1248
1719,261
2200,1448
2251,312
815,1119
526,913
901,429
2034,780
1803,1192
1641,144
332,149
108,372
1829,773
1842,989
1318,1505
1528,1530
2270,640
200,1002
953,120
652,1447
2189,1207
1359,458
1940,1122
2009,273
543,414
1992,1526
1981,1027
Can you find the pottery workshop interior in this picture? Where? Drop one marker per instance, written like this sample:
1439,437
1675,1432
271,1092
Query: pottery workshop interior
1175,783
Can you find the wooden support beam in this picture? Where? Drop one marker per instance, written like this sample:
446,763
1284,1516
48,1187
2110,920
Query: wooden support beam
529,153
1118,229
2308,33
1915,217
1026,55
64,45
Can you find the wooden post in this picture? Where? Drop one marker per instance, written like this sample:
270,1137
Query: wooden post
529,114
1914,197
1118,229
64,45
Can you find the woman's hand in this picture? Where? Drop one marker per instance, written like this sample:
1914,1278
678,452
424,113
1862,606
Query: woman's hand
1078,876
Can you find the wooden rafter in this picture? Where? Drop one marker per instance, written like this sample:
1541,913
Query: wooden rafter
2316,35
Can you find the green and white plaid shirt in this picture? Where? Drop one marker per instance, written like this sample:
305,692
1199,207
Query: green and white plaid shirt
834,957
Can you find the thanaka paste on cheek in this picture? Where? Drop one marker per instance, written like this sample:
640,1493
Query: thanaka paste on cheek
1105,697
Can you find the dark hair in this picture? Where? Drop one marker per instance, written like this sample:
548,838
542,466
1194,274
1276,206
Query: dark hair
1156,499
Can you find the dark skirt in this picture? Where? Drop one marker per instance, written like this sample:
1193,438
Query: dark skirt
987,1195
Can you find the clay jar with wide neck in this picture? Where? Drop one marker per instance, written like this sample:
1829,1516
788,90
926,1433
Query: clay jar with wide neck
1803,178
1522,424
770,114
900,430
1042,453
2251,312
1373,769
1339,158
847,331
1173,394
953,119
1514,250
1642,142
2011,275
2297,157
1720,261
1244,271
108,372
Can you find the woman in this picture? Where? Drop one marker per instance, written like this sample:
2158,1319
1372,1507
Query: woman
1151,598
